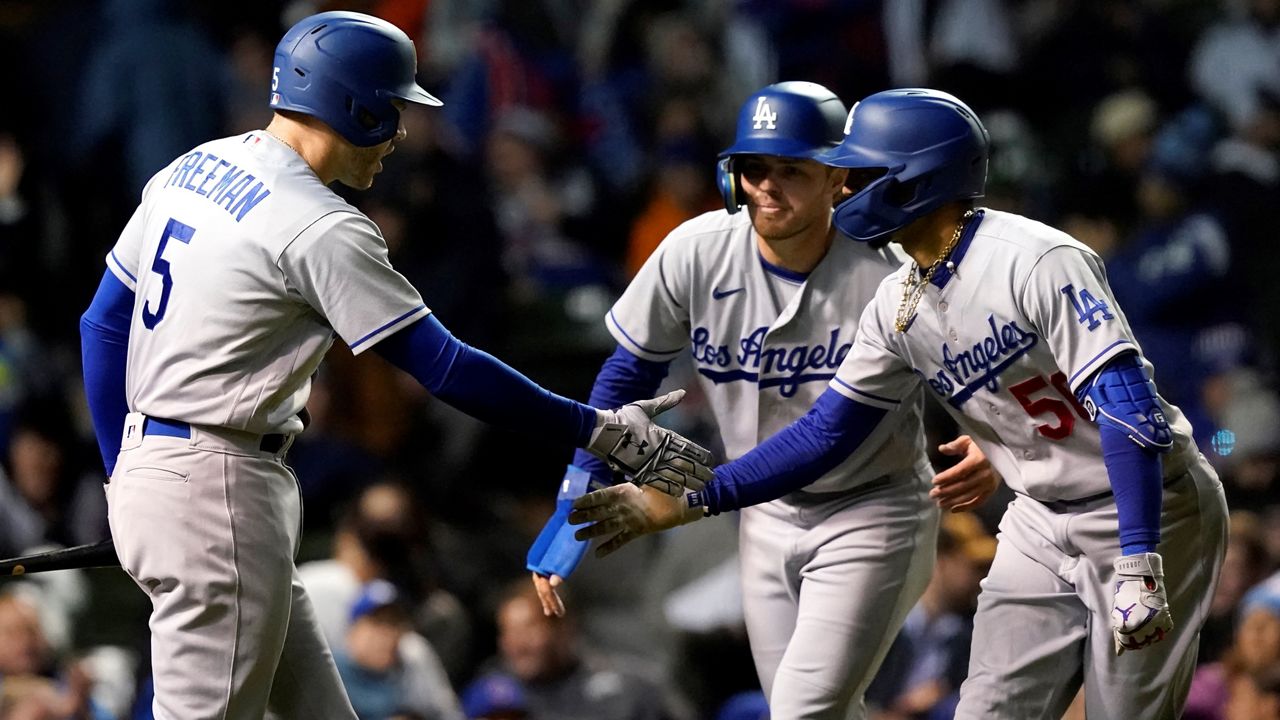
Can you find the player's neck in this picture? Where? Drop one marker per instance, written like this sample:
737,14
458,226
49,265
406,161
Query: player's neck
311,143
800,253
927,238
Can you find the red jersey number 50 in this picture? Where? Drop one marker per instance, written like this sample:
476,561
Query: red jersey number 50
1059,405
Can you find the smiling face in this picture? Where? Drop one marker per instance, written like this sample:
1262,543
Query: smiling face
787,197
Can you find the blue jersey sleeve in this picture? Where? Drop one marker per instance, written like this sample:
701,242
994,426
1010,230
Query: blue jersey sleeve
802,452
104,349
482,386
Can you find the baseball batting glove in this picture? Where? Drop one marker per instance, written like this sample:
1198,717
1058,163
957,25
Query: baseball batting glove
628,511
631,444
1140,613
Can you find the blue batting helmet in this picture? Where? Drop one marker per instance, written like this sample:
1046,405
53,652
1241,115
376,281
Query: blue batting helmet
345,68
931,147
788,119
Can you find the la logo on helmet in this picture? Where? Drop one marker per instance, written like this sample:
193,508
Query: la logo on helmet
765,117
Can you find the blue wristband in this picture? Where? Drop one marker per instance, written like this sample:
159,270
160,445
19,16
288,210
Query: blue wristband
556,551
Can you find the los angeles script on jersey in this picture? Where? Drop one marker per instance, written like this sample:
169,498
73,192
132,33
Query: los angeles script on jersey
783,366
980,366
224,184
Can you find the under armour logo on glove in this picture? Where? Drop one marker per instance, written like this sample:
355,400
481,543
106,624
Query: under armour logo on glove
672,464
1140,613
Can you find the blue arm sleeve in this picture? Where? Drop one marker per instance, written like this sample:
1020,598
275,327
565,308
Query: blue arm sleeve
624,377
482,386
794,457
1123,401
104,350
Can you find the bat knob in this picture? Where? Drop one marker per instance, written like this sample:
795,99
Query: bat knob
19,570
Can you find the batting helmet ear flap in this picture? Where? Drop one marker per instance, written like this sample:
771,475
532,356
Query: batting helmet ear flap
730,183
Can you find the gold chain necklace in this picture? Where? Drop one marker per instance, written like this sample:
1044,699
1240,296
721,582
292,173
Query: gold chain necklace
286,142
915,285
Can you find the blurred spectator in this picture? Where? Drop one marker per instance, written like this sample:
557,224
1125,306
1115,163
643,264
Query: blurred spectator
1245,564
682,189
543,212
750,705
45,498
385,666
383,536
1246,447
1256,648
921,675
561,680
932,44
1101,206
495,697
1255,695
1238,59
156,84
33,684
1176,278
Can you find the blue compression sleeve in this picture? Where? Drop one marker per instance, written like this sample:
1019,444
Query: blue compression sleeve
797,455
623,378
482,386
1136,481
104,350
1123,400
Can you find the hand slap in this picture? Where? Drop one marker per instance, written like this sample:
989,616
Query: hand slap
968,483
625,512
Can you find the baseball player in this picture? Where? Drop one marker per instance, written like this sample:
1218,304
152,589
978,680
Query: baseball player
767,303
1012,325
223,293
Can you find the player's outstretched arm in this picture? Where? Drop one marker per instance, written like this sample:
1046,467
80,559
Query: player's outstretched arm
794,457
484,387
104,348
556,553
968,483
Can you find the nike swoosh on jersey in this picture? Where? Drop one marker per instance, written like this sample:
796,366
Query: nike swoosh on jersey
719,294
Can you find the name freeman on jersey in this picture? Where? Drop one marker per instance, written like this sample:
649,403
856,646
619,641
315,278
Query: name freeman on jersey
793,360
224,184
981,365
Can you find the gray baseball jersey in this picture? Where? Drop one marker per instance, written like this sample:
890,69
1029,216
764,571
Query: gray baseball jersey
1026,318
762,360
1024,321
828,572
245,266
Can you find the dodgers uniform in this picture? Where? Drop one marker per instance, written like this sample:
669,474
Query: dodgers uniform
1004,341
245,267
828,572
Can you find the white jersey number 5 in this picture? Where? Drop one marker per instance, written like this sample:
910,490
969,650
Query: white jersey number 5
182,233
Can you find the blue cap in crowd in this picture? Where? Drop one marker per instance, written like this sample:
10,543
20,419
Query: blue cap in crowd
375,595
1263,596
494,695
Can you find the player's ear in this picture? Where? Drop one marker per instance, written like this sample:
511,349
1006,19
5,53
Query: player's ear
836,178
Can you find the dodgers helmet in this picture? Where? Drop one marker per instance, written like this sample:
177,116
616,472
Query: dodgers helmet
931,148
345,68
788,119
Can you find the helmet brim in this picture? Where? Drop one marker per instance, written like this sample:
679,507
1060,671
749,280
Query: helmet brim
775,146
415,94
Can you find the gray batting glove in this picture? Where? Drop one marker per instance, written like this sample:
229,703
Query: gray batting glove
629,441
1140,613
625,512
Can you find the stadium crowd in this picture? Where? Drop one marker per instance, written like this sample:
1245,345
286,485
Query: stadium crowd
574,135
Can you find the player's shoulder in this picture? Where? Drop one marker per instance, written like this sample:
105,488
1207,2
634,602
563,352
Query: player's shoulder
710,231
1022,240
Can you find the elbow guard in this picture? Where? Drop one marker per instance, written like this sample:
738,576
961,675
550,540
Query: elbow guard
1122,396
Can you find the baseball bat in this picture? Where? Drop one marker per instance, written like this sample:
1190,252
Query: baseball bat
99,554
